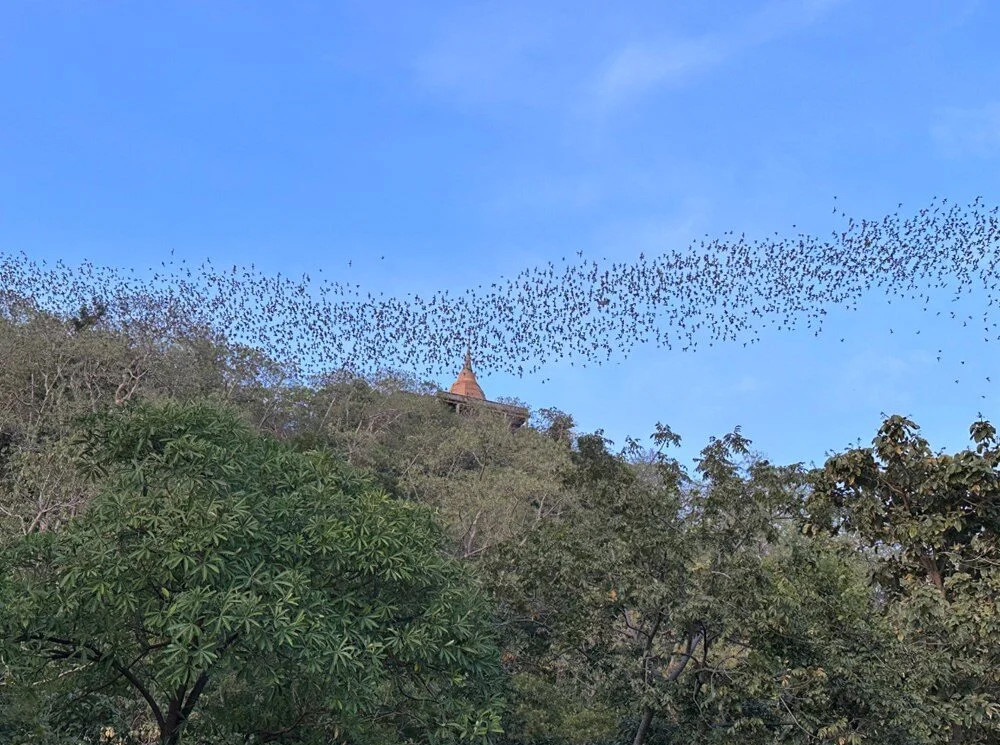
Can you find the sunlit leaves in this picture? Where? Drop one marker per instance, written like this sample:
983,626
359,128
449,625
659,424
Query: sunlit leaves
931,526
212,553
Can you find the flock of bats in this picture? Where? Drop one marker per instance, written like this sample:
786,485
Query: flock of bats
720,290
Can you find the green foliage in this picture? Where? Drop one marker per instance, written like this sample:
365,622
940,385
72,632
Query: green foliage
687,611
55,370
282,569
931,524
231,585
487,482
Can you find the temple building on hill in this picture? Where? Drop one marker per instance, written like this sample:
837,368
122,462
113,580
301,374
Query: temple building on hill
466,393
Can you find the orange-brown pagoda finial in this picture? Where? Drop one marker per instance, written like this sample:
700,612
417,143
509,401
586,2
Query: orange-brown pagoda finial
466,384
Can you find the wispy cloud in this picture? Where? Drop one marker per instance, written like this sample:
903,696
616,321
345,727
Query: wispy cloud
518,53
968,131
496,54
642,66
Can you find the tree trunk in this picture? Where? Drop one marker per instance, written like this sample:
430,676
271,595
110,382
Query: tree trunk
674,671
640,734
180,709
957,734
170,732
930,565
647,713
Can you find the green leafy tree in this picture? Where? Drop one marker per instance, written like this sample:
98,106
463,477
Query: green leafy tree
487,482
667,609
930,523
225,584
57,369
491,484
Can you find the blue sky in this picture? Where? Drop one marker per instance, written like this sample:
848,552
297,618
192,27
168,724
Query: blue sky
466,141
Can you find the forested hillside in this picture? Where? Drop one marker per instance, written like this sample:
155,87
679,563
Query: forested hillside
200,547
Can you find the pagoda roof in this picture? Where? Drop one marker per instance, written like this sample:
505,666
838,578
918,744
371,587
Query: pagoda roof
466,384
465,391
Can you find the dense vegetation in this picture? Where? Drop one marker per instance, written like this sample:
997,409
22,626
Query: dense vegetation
200,548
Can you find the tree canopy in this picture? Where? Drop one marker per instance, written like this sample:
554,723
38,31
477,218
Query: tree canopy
226,583
931,524
200,546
